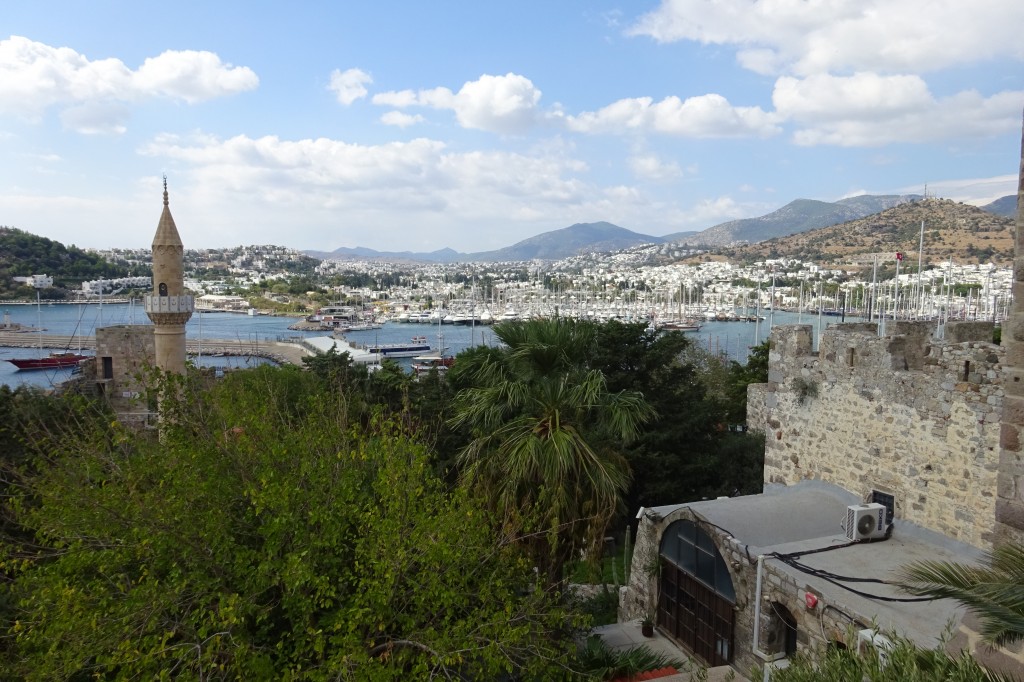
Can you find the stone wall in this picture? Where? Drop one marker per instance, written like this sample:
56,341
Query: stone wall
130,350
1010,505
639,598
816,628
901,414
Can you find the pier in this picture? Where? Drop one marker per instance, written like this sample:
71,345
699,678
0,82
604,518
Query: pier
278,351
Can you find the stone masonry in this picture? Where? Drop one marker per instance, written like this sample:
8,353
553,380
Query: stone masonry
902,414
1010,502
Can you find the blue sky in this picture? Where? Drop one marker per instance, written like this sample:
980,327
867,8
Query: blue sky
416,125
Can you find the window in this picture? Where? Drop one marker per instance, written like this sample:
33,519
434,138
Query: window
696,602
889,501
693,550
163,289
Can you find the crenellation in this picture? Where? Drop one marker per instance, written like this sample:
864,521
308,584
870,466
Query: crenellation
887,405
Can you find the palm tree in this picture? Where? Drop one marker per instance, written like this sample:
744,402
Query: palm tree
544,433
994,590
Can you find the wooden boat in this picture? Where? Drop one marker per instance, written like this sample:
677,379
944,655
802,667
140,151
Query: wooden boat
51,361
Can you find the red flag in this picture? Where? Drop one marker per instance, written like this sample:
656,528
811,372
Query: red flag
899,255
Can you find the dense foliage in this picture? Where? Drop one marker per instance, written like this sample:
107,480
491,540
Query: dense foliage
338,523
692,448
263,536
902,662
23,254
546,434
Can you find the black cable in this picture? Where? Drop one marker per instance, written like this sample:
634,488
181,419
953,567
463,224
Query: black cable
826,576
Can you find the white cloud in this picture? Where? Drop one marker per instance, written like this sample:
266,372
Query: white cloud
355,194
505,104
400,119
650,167
96,118
700,117
864,96
976,191
501,104
871,110
816,36
192,76
35,77
400,99
350,85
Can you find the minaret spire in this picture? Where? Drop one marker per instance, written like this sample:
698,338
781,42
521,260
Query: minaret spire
170,305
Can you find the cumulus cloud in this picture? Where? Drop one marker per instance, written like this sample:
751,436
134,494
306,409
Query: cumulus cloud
350,85
650,167
325,171
816,36
703,116
35,77
506,104
488,195
400,119
191,76
99,118
871,110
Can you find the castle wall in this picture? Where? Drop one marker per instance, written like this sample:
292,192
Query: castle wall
901,414
1010,506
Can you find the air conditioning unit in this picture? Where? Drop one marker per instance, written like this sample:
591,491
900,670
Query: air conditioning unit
871,640
771,666
865,521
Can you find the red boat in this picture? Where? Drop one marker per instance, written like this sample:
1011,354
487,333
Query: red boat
52,361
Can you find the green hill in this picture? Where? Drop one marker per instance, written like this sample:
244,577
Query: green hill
23,254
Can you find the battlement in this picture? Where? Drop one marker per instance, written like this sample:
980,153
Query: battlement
904,414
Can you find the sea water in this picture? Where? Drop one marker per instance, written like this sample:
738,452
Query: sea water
731,339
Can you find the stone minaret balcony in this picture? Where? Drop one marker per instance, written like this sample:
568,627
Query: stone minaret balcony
169,310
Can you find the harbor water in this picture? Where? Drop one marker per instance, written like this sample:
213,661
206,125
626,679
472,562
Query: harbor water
732,339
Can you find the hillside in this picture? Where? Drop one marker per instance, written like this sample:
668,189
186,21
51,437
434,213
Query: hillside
563,243
362,253
1004,206
569,241
800,215
23,254
952,230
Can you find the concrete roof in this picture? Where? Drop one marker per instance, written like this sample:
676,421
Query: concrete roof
807,516
359,356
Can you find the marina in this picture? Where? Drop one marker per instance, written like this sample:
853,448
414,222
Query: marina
70,325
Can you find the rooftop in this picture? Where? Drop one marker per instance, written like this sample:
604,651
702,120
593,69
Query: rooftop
808,516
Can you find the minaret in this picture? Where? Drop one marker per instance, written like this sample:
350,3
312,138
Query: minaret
169,307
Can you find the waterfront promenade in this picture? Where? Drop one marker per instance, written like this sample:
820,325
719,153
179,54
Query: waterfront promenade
279,351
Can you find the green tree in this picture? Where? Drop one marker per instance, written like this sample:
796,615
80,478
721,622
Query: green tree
546,435
993,590
264,536
687,451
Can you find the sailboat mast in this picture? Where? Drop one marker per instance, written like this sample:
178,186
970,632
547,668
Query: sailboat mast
920,264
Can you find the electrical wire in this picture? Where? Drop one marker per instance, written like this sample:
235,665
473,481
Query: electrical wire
838,580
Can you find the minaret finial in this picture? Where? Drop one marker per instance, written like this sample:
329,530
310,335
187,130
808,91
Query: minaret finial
166,203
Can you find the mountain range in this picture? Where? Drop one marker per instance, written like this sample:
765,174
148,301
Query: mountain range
950,229
796,217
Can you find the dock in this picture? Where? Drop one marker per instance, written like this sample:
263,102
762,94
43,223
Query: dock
282,352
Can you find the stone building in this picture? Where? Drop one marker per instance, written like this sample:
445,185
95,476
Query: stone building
169,306
125,354
880,449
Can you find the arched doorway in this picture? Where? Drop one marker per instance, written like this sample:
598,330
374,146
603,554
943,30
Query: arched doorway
696,602
781,631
